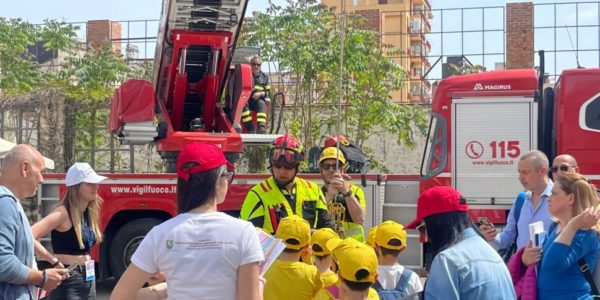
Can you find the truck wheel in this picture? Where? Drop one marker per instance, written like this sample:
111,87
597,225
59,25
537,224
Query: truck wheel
126,241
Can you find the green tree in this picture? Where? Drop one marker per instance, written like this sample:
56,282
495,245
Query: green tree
86,78
465,67
303,38
20,71
88,82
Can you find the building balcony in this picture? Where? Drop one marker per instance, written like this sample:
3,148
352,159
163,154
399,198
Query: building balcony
424,7
427,45
426,63
416,59
427,26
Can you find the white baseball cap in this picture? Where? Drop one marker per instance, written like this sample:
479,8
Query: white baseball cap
82,172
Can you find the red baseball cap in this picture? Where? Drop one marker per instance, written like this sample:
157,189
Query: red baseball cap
207,156
437,200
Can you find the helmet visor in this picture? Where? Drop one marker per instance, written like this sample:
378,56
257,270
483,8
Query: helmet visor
285,155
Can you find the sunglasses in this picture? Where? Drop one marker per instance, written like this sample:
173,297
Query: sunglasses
255,64
332,166
229,175
563,168
285,166
422,228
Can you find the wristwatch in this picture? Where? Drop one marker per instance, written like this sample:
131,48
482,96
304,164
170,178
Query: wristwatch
347,194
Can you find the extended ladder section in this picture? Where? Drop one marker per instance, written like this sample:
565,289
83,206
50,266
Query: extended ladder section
206,15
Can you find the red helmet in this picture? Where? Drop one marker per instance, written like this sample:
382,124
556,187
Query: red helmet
286,149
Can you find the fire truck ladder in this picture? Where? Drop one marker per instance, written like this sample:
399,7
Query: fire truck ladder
207,15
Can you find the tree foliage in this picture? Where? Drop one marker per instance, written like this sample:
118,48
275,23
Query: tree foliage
464,67
20,71
303,40
86,78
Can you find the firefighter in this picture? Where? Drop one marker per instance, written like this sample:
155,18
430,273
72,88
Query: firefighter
284,193
337,189
258,99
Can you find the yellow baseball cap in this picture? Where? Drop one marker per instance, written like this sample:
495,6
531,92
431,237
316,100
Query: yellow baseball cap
294,231
371,236
391,235
319,240
356,261
332,152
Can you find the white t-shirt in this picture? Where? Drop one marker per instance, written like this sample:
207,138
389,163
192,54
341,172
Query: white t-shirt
389,275
200,254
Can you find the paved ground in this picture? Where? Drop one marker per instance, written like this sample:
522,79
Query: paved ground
104,288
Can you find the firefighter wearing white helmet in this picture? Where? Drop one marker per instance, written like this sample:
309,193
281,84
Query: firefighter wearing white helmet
284,193
338,189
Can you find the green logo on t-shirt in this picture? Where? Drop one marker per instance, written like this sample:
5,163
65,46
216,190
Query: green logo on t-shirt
169,244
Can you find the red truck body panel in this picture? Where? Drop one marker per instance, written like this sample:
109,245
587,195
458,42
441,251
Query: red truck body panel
575,88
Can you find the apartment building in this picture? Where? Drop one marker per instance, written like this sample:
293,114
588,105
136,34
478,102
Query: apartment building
403,24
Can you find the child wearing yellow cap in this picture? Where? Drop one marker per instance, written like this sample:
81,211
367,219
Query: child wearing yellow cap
394,280
324,262
357,268
371,236
288,276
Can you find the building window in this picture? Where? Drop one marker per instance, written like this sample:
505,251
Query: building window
415,26
383,1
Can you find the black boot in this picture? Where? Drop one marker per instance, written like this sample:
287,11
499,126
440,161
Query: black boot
249,127
262,129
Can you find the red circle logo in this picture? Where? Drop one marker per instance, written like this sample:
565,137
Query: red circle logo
474,149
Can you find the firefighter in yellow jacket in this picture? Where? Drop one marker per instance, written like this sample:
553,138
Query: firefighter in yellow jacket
338,189
258,99
284,194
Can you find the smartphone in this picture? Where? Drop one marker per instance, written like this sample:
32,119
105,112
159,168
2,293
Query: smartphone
72,267
485,221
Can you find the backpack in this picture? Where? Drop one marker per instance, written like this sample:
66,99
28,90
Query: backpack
356,160
399,290
507,253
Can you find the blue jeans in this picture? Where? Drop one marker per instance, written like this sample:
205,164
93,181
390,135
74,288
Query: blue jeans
75,287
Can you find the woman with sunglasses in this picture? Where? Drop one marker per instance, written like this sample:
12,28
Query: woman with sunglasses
284,193
205,254
464,265
571,239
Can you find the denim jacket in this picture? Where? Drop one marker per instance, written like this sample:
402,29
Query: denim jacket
16,248
469,269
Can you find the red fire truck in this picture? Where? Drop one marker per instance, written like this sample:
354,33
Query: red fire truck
134,203
197,95
482,123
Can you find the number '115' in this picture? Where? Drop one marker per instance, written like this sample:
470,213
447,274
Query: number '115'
510,148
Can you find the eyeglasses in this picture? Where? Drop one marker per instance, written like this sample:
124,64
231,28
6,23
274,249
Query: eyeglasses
229,175
286,166
332,166
563,168
256,64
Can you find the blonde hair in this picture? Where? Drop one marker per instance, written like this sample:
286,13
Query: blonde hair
583,192
71,202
